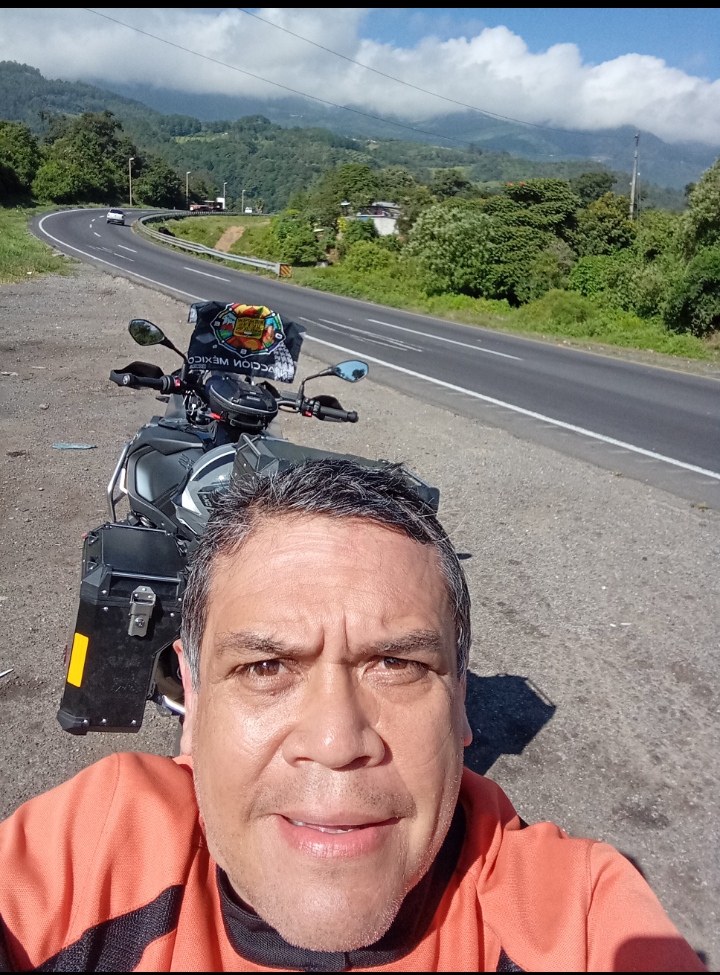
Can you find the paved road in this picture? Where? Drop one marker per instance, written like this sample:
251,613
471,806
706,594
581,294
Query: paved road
659,426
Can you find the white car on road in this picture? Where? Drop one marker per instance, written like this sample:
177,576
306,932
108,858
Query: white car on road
115,216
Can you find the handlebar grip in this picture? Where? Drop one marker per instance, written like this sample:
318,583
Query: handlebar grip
340,416
140,382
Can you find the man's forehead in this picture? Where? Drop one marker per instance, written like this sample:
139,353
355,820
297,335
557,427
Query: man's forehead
301,568
303,535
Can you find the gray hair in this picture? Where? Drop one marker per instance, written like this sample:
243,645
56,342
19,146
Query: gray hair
333,488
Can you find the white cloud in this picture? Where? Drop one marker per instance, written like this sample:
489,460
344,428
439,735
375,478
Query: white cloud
493,69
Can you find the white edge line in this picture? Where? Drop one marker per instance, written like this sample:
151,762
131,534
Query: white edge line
205,274
117,267
519,409
438,338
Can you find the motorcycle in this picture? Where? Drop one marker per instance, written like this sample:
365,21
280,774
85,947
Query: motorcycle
218,425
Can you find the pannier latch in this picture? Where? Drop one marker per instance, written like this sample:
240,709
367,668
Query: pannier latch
142,604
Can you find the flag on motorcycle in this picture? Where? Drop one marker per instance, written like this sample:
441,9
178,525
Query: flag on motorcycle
246,339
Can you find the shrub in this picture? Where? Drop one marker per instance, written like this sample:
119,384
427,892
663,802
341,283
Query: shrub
367,257
694,302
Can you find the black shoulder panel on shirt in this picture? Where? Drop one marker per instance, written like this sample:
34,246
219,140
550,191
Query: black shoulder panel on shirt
506,964
118,945
5,965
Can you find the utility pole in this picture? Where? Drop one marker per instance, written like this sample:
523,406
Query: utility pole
242,202
633,185
187,189
130,162
224,197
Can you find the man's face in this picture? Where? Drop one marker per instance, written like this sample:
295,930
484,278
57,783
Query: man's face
328,728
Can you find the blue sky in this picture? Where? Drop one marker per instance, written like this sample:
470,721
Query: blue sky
688,39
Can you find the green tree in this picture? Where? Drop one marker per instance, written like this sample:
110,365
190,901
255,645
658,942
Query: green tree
294,240
453,247
591,186
694,302
158,185
86,161
354,231
701,221
449,182
604,227
545,205
19,158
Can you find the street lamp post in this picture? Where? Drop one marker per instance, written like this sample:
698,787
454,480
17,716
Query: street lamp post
130,162
187,189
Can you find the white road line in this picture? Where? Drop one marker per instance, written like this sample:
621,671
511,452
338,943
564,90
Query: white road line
123,258
100,260
372,336
714,475
96,233
206,275
124,248
440,338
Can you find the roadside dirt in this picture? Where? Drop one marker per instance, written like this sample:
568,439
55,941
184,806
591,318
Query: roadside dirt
228,238
596,599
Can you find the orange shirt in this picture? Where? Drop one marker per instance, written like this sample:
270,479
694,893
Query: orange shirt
110,872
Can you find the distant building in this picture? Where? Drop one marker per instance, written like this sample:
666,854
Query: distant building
383,214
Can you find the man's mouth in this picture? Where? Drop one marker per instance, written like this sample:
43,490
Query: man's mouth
330,829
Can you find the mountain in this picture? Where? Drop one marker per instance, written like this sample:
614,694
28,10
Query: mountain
664,163
276,147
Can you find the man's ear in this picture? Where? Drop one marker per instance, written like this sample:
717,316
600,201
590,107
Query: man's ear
190,700
466,729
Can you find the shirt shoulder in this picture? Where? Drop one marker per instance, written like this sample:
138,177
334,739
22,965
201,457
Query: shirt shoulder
553,903
107,842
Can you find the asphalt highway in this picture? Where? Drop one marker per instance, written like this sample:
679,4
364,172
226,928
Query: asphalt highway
653,424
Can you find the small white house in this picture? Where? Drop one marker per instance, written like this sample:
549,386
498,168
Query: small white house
383,214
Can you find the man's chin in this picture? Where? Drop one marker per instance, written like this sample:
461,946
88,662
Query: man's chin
305,924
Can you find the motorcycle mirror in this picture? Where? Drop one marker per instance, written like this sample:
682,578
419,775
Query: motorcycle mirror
145,333
352,371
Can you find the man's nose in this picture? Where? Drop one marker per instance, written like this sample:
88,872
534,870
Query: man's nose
334,726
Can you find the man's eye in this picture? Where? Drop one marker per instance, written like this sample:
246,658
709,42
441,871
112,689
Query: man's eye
395,663
265,668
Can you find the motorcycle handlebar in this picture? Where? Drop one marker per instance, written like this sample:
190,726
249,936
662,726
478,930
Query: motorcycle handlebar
330,413
165,384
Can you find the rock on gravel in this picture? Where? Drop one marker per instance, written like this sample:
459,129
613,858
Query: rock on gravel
594,670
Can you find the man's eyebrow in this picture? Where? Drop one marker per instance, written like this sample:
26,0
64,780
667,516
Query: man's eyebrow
245,643
424,641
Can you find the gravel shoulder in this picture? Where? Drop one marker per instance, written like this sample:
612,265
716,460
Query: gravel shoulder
594,684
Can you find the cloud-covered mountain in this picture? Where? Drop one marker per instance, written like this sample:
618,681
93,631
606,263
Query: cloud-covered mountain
493,70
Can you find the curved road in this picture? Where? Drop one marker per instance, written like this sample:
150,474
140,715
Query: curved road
656,425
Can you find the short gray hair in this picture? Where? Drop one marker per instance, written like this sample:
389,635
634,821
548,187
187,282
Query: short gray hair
332,488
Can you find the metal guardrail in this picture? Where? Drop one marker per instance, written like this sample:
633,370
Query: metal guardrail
282,270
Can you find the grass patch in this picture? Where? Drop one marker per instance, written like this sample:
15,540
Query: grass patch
21,254
209,230
564,314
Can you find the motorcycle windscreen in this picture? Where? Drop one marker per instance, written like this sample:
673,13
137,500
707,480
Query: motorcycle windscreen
245,339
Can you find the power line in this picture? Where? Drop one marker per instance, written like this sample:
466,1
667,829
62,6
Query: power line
408,84
277,84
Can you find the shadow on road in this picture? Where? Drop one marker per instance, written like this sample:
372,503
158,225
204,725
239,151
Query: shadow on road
505,714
